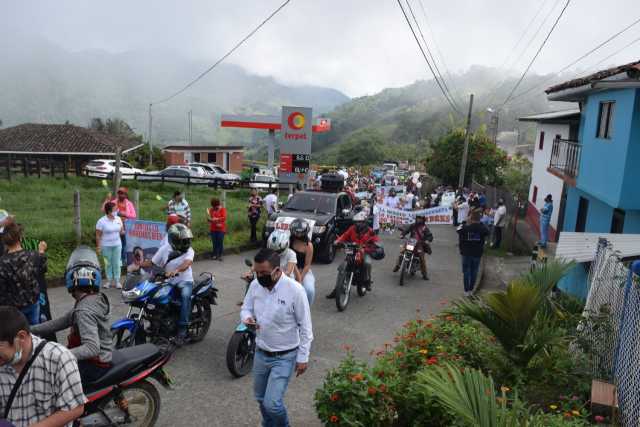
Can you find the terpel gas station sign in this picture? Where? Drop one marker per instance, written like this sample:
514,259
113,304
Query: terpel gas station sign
295,144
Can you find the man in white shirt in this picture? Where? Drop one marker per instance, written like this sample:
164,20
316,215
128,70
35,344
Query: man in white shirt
499,220
176,258
271,202
463,210
277,307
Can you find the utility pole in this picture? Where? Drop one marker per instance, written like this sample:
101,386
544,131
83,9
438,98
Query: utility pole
150,144
465,153
190,127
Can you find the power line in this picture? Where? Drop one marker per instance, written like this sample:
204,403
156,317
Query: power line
424,55
225,56
435,64
492,94
615,53
544,42
437,49
583,57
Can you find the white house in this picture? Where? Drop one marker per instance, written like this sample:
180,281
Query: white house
551,126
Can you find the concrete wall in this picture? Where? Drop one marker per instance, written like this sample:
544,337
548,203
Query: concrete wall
540,178
236,158
173,158
603,162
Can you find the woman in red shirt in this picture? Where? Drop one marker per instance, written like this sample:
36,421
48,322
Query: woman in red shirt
217,218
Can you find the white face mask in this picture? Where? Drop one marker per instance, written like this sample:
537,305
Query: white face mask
17,356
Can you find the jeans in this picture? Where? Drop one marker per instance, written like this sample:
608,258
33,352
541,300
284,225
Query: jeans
32,313
217,243
309,285
498,237
270,380
185,305
112,261
470,266
254,224
544,234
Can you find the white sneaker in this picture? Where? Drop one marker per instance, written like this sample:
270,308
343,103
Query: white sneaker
106,284
467,293
118,285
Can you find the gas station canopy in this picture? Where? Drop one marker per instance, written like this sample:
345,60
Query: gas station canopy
272,123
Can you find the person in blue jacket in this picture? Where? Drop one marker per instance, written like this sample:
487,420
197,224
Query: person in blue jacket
545,219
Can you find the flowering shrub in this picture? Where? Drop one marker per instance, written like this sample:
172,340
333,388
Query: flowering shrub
353,396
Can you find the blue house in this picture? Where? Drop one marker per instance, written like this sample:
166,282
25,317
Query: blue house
602,167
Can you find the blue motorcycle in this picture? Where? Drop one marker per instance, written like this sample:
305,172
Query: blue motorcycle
154,310
242,345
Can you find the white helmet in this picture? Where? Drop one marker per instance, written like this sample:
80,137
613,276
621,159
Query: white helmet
360,216
278,240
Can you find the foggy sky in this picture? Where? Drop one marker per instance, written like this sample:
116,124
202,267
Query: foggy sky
357,46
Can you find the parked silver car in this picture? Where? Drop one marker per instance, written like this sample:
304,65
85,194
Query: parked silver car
181,174
220,177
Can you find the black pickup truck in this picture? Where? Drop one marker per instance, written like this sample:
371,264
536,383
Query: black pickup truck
330,213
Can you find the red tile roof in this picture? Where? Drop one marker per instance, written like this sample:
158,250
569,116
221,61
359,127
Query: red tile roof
45,138
633,67
204,148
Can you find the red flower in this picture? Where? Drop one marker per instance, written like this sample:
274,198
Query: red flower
334,419
383,388
432,360
599,419
357,377
334,397
449,318
372,391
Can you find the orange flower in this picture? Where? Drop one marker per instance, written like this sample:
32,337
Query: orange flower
357,377
372,391
567,414
383,388
449,318
334,397
334,419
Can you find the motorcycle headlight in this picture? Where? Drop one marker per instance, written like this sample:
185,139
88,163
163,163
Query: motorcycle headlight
319,229
132,294
271,224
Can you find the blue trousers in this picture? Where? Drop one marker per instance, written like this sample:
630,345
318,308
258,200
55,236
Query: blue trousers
217,242
544,233
185,305
32,313
112,261
271,377
470,266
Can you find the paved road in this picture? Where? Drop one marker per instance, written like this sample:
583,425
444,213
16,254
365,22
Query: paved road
206,394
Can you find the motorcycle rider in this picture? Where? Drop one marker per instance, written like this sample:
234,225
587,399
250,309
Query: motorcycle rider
176,258
301,245
361,234
419,231
279,242
90,339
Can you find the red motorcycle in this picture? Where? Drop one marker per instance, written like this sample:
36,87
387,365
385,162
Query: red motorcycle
124,395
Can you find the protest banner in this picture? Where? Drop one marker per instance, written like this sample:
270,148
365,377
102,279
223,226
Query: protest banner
396,217
147,235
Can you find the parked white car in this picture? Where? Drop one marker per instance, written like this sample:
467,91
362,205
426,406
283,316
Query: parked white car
105,168
220,177
263,181
181,174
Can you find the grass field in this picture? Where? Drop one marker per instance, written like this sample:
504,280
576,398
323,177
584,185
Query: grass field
45,208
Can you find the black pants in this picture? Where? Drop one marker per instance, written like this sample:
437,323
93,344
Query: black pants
254,224
498,237
455,217
90,372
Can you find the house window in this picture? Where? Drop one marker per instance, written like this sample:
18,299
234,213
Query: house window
605,120
583,210
211,157
541,143
617,221
196,157
535,194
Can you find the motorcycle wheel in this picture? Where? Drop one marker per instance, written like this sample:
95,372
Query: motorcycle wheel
124,338
240,352
403,271
200,320
343,290
143,402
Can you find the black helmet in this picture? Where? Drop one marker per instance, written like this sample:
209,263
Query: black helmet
299,229
180,237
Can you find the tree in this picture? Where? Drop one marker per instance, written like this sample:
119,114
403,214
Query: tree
362,147
484,163
517,177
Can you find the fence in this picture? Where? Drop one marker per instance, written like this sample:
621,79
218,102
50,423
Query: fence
609,333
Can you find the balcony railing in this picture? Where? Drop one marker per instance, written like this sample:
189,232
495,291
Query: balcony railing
565,157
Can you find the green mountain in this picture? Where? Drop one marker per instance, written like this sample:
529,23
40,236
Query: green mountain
410,117
43,83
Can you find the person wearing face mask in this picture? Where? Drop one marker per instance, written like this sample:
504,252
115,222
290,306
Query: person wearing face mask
45,376
419,231
277,307
361,234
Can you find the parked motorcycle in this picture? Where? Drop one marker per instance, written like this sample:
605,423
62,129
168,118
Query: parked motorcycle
124,395
350,272
410,263
154,310
242,345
